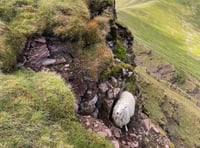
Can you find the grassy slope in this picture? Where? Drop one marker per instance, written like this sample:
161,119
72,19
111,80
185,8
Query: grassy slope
19,20
177,115
170,28
37,110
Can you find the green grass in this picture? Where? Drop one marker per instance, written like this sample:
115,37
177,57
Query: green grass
175,114
171,28
37,110
19,20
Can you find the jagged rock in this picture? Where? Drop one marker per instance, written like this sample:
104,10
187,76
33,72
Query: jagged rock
113,93
103,87
86,108
114,81
123,142
116,92
147,124
124,72
109,133
90,96
40,40
110,94
78,86
47,62
117,60
149,52
115,144
130,73
166,146
93,101
76,107
107,105
117,132
60,60
155,129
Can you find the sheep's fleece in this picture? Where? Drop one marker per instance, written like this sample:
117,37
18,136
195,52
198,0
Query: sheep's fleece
124,109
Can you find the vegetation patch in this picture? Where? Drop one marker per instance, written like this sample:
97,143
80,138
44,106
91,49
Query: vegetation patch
115,69
22,19
37,110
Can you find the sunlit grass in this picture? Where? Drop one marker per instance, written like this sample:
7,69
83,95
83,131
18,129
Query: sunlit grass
167,27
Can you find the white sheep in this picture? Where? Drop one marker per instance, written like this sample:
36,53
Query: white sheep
124,109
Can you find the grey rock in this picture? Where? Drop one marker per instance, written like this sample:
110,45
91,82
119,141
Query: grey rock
103,87
130,73
166,146
40,40
110,94
116,92
107,105
155,129
76,107
117,60
125,72
93,101
117,132
86,108
135,144
123,142
115,144
60,60
114,81
47,62
95,113
109,133
147,124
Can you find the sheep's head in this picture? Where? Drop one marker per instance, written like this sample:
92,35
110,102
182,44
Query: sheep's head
118,113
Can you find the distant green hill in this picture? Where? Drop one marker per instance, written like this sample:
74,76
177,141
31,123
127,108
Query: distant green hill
170,27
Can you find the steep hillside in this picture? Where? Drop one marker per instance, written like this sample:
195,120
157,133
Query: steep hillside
167,36
170,28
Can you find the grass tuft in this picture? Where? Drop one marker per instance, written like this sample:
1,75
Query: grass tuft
37,110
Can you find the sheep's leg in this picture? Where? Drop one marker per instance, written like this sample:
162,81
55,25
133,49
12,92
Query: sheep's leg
126,128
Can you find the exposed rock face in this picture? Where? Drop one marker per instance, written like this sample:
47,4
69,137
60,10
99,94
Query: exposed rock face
103,7
53,54
109,91
95,96
119,33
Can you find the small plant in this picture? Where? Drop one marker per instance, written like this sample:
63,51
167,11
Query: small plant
179,78
120,53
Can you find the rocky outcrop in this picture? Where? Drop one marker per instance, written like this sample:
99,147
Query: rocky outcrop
96,76
93,92
102,8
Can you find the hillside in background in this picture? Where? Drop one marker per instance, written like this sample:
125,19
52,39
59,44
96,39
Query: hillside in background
171,28
167,49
